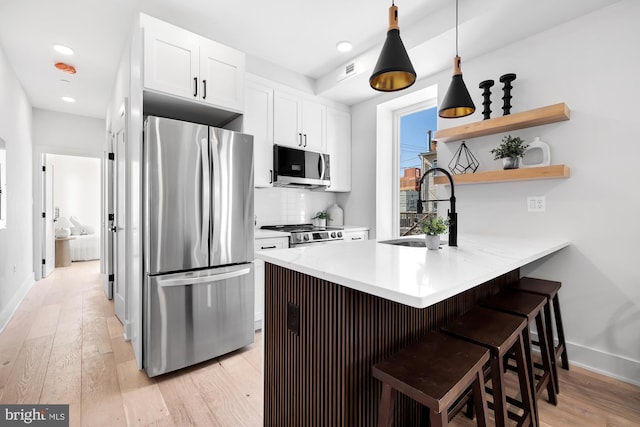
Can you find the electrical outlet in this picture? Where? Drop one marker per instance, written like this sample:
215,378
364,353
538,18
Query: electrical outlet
536,204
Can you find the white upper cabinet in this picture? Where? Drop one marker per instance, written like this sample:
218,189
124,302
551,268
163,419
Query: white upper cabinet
299,122
258,121
180,63
339,149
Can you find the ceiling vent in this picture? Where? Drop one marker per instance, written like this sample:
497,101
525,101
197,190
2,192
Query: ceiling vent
346,71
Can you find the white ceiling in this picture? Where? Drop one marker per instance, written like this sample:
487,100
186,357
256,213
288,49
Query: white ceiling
299,35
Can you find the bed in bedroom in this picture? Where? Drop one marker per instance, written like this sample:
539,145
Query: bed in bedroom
85,247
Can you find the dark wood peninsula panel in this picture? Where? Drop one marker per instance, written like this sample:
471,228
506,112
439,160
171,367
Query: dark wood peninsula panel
321,340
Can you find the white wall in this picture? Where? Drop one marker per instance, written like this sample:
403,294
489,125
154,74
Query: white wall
591,64
16,267
76,188
66,134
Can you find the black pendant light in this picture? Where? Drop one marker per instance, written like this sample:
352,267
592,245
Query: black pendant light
393,70
457,101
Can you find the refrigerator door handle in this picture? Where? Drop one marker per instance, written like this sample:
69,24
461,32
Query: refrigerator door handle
205,196
204,279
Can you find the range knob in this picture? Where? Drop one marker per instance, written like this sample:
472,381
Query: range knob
333,234
339,234
306,237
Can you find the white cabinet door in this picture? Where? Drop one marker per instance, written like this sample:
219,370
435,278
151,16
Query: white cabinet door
313,126
258,121
186,65
355,235
263,245
171,60
287,116
222,74
298,122
339,149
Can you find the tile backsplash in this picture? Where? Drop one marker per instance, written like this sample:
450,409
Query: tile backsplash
279,205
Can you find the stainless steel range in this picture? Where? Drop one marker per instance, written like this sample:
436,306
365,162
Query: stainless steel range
308,234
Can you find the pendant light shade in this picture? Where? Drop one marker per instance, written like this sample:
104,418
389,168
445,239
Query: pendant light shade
457,101
394,70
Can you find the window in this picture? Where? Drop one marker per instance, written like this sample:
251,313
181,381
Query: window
3,184
416,156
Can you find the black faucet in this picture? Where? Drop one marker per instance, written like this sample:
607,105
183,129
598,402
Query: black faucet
453,216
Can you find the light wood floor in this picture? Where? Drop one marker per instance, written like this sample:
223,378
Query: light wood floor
64,345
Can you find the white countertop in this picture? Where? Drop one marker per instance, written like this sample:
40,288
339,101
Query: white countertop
414,276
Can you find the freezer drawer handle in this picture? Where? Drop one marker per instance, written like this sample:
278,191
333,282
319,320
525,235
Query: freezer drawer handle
205,279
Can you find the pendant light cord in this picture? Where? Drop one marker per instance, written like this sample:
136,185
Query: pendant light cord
457,28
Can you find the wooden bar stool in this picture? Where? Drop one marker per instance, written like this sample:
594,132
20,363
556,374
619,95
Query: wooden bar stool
549,289
500,333
435,372
531,307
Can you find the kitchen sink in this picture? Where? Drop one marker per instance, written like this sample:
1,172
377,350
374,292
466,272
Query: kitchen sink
415,243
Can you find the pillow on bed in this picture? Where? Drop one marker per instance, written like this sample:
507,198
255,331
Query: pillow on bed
77,229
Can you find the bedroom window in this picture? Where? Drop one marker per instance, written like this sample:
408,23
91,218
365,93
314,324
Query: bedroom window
3,184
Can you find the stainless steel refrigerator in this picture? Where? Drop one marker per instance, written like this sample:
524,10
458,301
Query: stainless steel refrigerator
198,243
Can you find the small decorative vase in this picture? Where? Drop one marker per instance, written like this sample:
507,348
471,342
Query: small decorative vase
432,241
510,162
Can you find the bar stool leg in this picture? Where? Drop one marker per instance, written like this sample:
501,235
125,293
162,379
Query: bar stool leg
528,399
546,357
499,397
551,347
385,411
561,342
438,420
480,400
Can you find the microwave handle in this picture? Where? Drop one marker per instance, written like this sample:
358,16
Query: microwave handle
322,166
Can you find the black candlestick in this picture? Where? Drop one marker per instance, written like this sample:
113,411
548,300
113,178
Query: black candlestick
507,79
486,93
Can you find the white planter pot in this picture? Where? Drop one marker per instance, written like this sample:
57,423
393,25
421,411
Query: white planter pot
317,222
432,242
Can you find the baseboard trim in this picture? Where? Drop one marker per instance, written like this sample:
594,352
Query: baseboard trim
601,362
7,312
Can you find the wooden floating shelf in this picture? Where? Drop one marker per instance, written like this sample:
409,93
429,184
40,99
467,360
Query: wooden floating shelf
522,174
539,116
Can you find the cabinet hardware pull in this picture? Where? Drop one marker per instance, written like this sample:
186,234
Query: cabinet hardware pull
356,238
268,247
270,176
195,86
305,139
204,89
300,139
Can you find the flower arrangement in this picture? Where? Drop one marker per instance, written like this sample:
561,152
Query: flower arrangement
322,215
433,225
511,148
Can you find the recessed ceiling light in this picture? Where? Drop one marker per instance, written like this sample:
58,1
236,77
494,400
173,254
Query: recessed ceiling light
344,46
63,49
68,99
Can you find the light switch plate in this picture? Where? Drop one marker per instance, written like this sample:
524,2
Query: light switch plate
536,204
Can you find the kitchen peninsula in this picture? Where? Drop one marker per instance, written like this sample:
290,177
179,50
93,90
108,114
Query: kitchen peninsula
332,311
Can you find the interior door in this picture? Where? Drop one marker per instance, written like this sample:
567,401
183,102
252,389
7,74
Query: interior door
109,182
119,225
48,248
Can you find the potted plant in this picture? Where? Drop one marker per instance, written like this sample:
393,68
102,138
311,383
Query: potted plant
510,151
433,226
320,220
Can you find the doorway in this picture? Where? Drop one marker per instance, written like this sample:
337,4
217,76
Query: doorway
71,200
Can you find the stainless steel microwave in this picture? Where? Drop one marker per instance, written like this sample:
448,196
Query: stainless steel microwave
300,168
